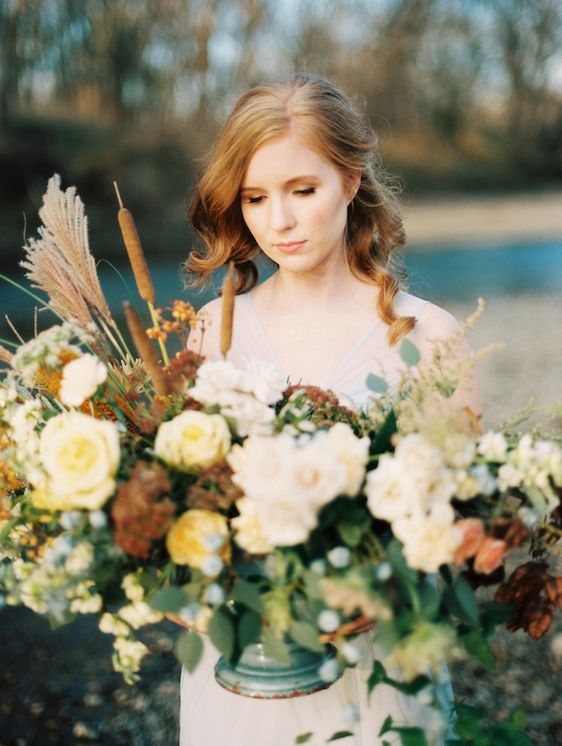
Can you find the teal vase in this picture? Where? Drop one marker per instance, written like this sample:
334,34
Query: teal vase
259,675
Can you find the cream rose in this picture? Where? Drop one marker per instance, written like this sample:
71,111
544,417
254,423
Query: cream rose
192,439
186,539
80,379
80,456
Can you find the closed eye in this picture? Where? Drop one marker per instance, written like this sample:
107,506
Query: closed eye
307,190
253,200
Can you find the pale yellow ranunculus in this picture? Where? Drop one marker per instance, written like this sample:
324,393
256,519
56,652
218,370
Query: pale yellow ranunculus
80,455
193,440
186,538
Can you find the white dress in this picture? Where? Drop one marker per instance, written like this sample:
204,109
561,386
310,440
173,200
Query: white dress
212,716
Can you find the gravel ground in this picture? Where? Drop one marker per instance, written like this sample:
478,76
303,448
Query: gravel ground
57,687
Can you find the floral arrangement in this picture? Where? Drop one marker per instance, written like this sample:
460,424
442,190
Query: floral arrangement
135,485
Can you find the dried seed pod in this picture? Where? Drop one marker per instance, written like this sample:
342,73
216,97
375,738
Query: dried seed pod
146,351
135,251
554,590
228,295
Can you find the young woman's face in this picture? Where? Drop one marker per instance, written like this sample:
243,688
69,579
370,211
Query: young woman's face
294,203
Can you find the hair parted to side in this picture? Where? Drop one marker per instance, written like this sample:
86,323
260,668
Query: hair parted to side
328,123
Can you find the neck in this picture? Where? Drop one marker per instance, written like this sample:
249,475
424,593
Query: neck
326,285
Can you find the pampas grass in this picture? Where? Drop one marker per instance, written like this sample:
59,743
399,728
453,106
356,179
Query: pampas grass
59,262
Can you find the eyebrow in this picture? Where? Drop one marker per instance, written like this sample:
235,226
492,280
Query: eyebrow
289,182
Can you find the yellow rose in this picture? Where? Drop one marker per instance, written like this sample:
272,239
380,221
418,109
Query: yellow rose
193,439
80,456
186,539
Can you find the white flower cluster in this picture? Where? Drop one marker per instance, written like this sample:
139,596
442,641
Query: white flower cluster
287,480
45,348
129,652
245,395
533,466
58,584
22,418
412,490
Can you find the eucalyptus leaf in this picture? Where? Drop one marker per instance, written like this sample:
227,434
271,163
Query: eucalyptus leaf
376,384
247,594
304,737
189,649
409,353
168,600
221,631
339,735
249,629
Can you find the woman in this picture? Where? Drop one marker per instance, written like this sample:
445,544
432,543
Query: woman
291,175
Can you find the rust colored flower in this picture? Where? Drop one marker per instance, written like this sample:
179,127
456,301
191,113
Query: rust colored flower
184,366
472,537
534,594
490,555
214,489
140,513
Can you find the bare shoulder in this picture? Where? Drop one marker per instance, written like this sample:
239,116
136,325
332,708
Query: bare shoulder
205,335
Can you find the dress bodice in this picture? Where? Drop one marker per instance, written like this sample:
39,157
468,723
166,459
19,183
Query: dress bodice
371,353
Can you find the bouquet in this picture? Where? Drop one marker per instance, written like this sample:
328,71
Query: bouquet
134,485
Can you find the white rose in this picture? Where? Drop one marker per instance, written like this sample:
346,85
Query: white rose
352,452
316,477
250,534
286,521
214,380
251,417
262,465
80,379
192,439
80,455
263,380
429,541
391,490
509,476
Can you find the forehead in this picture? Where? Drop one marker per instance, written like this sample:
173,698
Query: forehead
283,159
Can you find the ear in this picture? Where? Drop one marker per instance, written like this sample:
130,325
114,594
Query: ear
352,182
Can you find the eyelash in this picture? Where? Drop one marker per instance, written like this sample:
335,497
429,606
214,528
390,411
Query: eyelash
302,192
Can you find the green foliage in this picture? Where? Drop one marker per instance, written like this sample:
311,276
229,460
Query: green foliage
477,645
189,649
249,629
221,631
409,736
376,384
409,353
379,676
339,735
306,634
247,594
276,647
304,737
474,728
169,600
382,439
461,601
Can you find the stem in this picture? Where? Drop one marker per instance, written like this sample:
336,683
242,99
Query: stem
163,350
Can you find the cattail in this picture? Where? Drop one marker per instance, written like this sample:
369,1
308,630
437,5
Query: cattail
146,351
134,250
227,310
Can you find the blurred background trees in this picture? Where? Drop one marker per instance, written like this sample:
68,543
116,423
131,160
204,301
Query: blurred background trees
465,94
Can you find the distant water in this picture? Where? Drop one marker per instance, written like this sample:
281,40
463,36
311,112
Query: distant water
440,275
466,273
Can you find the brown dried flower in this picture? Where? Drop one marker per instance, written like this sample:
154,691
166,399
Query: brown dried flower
214,489
141,515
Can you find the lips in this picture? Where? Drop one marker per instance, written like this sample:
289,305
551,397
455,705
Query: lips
289,247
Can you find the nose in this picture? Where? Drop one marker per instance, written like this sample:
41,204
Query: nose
281,217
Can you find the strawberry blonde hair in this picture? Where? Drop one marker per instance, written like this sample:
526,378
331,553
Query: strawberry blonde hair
328,123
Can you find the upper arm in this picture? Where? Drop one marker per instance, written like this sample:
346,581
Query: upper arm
204,337
437,325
